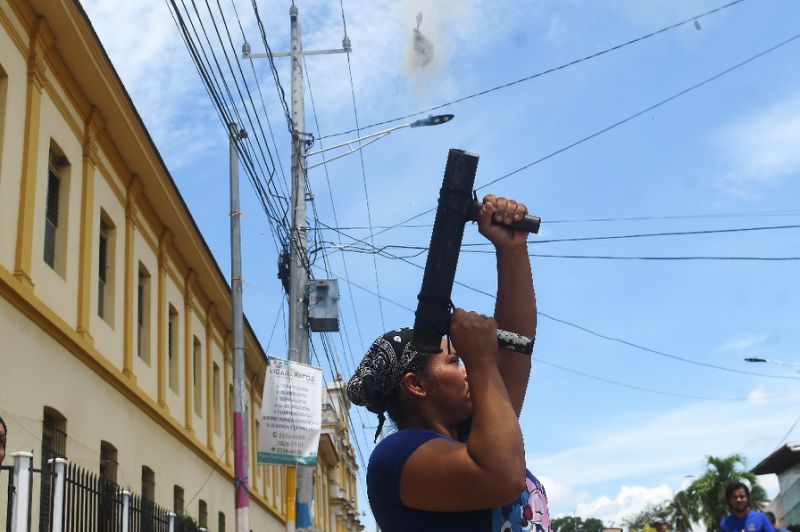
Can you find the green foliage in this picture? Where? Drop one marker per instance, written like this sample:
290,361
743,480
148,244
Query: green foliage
645,520
704,500
185,523
576,524
683,509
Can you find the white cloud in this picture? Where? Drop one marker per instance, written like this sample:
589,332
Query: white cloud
742,345
156,70
167,90
758,397
629,501
662,450
761,149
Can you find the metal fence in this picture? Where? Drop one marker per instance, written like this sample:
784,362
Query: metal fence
91,502
81,501
147,516
9,470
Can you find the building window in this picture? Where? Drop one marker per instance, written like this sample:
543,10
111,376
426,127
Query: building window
148,499
215,399
54,445
107,487
202,516
108,461
177,500
172,348
105,270
55,207
143,314
221,522
148,484
197,376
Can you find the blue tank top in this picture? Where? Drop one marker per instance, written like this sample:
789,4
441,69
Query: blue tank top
529,512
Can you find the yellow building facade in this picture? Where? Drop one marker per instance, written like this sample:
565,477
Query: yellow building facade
114,317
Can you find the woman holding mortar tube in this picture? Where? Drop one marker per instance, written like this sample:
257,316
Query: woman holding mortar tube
457,459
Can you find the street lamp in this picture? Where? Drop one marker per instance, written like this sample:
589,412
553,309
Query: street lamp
432,120
793,365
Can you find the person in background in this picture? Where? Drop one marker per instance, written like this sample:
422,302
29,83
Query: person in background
742,517
773,522
661,526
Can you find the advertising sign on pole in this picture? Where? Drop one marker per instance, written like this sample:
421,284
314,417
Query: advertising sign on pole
291,414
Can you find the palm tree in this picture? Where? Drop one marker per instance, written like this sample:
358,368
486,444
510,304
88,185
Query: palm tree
683,511
708,491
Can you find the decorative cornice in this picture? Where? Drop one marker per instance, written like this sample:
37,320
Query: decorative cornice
42,39
91,138
188,284
135,189
164,244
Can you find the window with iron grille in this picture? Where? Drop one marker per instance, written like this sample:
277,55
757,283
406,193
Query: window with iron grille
54,445
105,269
51,216
215,399
197,376
108,461
107,488
54,209
148,499
221,522
102,268
177,500
143,314
148,484
202,516
172,349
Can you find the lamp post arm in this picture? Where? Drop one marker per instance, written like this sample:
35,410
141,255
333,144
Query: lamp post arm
373,136
352,150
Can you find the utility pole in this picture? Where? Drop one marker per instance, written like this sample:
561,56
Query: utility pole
298,273
298,262
242,496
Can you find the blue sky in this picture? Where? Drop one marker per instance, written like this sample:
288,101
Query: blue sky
722,156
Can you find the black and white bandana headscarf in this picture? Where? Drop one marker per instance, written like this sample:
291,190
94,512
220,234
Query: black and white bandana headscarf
380,371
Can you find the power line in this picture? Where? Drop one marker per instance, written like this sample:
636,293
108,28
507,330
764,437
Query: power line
372,249
680,217
789,432
614,125
275,76
363,170
542,73
382,252
778,213
663,233
607,337
656,258
333,207
601,237
661,353
207,63
263,103
646,110
639,388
